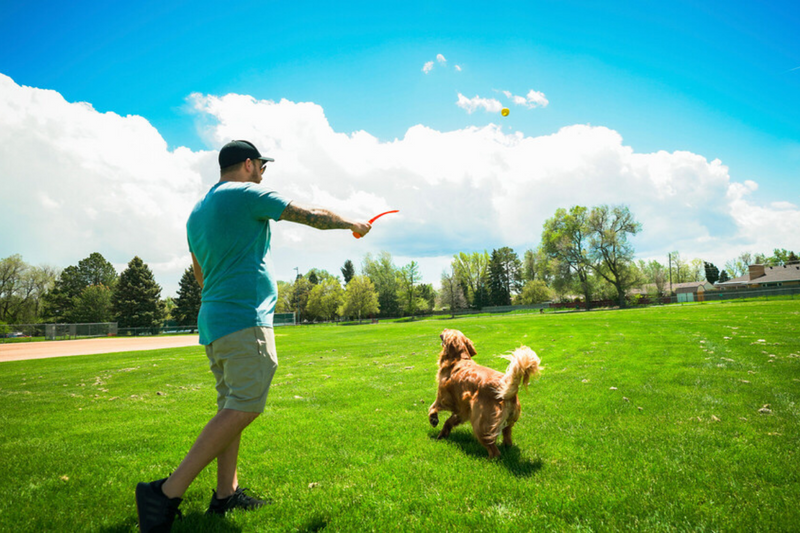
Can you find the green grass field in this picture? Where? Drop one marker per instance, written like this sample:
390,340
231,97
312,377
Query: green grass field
678,444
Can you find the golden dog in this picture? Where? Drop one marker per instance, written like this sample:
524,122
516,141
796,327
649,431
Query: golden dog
485,397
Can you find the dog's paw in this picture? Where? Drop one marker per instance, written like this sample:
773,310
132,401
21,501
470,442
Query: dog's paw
434,419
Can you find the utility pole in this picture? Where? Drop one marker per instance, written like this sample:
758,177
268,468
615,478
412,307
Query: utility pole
670,274
296,299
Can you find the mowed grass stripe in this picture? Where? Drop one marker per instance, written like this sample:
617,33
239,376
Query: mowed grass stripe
345,445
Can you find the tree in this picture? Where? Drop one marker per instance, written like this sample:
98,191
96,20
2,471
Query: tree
427,295
655,273
536,265
348,271
383,274
610,252
534,292
472,272
360,298
504,275
723,276
409,277
22,289
301,289
565,239
95,270
93,305
452,294
190,295
137,298
712,272
325,299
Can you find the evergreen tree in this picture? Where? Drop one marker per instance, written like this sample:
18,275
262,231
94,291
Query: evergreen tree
498,295
60,301
348,271
723,276
712,273
137,298
187,304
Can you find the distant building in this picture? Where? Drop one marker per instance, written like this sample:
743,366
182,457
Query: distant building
692,291
762,276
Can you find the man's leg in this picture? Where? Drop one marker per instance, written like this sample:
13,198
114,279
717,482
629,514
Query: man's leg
227,479
216,438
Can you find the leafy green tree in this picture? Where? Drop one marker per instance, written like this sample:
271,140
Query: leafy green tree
409,278
348,271
137,297
534,292
428,296
285,297
655,273
536,265
472,272
22,289
383,274
93,305
325,299
610,252
451,295
360,299
301,289
190,295
95,270
565,239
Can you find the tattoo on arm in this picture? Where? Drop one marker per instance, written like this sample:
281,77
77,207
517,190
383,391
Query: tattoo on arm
315,217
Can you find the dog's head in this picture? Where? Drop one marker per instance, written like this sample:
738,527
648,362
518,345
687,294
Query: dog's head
455,346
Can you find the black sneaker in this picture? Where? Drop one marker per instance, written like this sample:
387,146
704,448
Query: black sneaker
237,500
156,511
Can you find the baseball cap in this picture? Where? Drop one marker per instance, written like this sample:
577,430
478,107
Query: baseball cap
237,151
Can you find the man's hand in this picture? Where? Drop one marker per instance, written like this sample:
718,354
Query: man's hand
361,228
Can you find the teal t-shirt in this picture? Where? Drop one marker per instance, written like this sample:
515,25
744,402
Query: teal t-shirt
229,234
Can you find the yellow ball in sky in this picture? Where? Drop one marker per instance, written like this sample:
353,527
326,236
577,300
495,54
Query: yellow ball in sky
504,112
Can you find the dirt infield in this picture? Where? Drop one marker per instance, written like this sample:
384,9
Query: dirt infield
41,350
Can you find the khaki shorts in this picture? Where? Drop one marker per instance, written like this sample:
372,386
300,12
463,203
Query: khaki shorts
243,364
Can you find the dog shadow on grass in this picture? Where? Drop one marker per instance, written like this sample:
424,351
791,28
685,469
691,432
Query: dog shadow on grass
510,458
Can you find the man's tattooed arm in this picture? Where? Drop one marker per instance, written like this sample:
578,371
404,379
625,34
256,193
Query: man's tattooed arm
319,218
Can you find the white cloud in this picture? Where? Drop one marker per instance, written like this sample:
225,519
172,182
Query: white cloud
440,58
427,67
531,100
470,105
536,99
458,68
109,184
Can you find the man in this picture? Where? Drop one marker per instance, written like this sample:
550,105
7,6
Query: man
229,235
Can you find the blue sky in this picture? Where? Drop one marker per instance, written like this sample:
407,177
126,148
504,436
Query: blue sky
716,79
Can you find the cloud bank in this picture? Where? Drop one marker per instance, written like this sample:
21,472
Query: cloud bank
76,181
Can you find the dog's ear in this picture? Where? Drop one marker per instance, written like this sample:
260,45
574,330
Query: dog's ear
455,346
470,347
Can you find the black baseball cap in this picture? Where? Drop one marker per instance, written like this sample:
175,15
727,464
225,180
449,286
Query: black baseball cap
237,151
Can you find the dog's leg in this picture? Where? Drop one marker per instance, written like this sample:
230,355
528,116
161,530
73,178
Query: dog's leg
491,446
433,413
449,424
507,442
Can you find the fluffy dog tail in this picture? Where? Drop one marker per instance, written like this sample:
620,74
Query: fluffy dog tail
524,363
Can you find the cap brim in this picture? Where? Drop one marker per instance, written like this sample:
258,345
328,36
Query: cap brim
267,159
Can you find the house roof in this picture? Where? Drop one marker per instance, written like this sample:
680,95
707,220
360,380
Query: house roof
772,274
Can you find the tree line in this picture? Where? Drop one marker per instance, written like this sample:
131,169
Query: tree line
584,253
88,292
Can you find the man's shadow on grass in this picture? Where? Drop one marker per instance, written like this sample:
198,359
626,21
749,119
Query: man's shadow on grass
195,522
510,458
